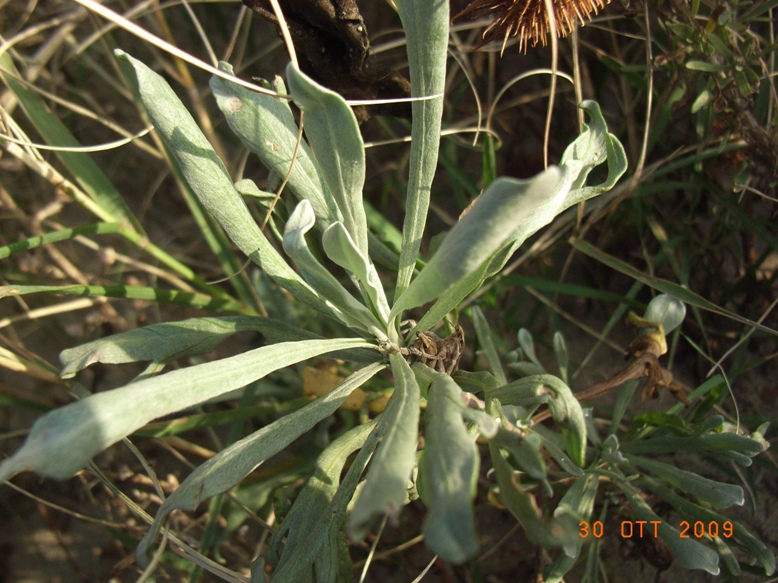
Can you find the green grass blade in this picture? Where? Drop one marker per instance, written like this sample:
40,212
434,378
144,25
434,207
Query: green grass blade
219,243
59,236
80,164
128,233
132,292
664,286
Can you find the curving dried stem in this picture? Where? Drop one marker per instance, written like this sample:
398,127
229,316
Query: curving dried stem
646,350
528,19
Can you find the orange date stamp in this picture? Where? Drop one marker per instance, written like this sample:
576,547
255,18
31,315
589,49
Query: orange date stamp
650,529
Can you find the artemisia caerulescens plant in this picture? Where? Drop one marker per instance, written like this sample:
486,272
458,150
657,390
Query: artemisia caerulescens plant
327,220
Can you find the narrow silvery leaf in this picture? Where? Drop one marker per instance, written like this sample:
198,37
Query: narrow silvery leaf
450,299
561,530
562,359
207,176
556,571
610,450
426,30
552,441
486,424
689,553
594,146
526,453
567,412
347,309
565,408
588,150
386,485
63,441
527,345
718,494
231,465
319,511
248,187
266,126
448,471
340,247
694,512
524,392
172,340
488,225
333,134
579,501
484,334
524,447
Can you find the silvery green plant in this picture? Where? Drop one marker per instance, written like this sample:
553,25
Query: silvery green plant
617,468
327,220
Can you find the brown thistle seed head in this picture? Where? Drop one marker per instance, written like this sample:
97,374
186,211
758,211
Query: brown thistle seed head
528,19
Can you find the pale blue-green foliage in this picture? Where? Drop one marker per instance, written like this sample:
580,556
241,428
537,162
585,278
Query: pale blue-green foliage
266,127
535,207
341,249
448,473
689,553
578,501
426,29
565,408
559,531
331,127
63,441
718,494
326,176
312,531
480,234
484,334
384,492
207,176
231,465
169,341
515,401
741,537
345,307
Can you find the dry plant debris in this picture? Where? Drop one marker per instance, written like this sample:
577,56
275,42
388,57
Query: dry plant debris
646,349
528,19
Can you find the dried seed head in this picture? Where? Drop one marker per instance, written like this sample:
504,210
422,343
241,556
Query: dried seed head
528,19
